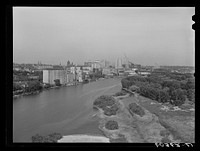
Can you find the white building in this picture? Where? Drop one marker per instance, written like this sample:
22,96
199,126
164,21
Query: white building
50,75
130,72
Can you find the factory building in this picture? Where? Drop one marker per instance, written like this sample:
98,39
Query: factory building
50,75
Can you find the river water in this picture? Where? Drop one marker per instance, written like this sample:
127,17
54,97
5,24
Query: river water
67,110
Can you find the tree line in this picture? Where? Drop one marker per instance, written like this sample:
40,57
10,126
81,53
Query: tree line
170,87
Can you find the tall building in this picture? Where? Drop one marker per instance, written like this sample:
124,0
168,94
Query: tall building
118,63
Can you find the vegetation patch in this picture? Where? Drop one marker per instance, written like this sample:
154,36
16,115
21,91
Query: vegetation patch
174,88
121,93
104,101
112,110
111,125
134,108
134,88
51,138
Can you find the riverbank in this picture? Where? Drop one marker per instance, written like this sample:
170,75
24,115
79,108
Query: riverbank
53,87
146,122
44,89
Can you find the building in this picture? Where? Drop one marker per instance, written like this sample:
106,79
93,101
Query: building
130,72
70,78
144,72
88,63
50,75
96,64
121,72
118,64
106,71
86,69
43,67
65,78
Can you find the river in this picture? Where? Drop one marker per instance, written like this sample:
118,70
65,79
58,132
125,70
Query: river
67,110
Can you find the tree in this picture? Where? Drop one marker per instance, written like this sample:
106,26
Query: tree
164,96
111,125
103,101
57,82
16,87
190,84
191,95
178,97
126,83
171,83
33,86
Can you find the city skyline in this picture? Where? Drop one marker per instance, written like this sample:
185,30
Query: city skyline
147,36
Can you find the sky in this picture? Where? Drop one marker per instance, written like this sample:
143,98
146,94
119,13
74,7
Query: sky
146,36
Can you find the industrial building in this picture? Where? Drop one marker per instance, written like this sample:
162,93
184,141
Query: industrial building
50,75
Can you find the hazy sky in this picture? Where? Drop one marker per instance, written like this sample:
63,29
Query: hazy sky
146,35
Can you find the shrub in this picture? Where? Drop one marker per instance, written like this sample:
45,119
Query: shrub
51,138
134,108
121,93
111,125
126,83
16,87
57,82
134,88
104,101
111,111
178,97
